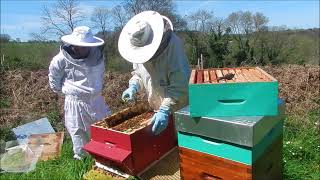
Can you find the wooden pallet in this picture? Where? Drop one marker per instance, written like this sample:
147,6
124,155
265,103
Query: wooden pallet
217,75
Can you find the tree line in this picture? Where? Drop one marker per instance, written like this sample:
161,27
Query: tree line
241,38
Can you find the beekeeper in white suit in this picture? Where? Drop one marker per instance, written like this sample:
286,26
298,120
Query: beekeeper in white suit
160,66
77,72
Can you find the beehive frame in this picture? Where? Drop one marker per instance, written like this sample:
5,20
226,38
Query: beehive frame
243,74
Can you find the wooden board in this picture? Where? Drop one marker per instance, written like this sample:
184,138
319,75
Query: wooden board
52,144
240,77
206,76
220,75
199,76
192,77
210,167
213,76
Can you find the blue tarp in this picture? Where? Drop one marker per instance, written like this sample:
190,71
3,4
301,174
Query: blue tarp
40,126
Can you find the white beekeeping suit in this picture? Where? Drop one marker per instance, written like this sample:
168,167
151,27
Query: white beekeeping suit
160,66
81,81
164,78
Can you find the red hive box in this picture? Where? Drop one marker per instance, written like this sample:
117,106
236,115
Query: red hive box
131,152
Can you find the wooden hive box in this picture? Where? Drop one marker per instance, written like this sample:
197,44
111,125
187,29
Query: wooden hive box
242,130
129,150
238,147
248,92
230,151
196,165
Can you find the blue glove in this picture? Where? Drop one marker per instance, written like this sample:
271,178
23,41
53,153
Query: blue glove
128,94
160,120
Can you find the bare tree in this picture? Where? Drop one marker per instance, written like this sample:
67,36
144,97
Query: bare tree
120,17
101,19
201,20
234,22
136,6
246,21
219,26
61,18
164,7
38,37
241,24
259,21
198,26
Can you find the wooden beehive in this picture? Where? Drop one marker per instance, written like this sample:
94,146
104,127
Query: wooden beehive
232,92
131,149
215,75
128,120
198,165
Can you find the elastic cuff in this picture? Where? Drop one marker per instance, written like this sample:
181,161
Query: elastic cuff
134,86
164,109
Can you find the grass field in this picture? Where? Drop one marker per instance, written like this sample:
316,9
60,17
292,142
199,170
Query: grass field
301,156
301,147
63,168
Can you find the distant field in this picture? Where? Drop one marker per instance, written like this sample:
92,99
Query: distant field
35,56
31,56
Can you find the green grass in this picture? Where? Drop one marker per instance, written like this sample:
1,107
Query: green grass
301,147
35,56
301,155
63,168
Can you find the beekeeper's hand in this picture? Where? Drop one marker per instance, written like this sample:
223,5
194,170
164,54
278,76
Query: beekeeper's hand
160,120
129,94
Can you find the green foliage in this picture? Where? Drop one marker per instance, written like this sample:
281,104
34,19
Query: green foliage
56,120
4,103
218,49
119,64
258,48
6,134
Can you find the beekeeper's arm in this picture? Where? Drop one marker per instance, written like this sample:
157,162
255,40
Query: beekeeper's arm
56,73
177,90
135,85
